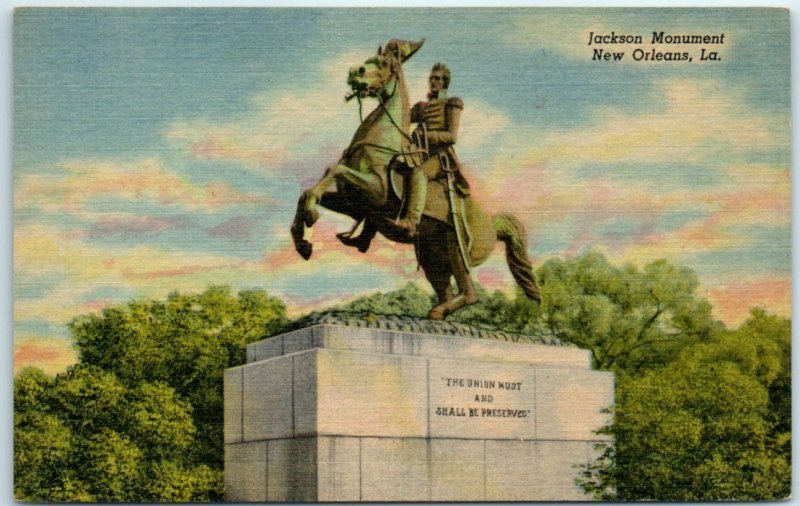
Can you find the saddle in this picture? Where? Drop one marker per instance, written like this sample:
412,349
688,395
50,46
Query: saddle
400,167
445,199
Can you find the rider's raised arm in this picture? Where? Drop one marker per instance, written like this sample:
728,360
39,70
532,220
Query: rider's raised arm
452,111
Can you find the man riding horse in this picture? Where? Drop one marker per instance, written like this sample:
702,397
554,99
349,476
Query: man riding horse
409,187
438,120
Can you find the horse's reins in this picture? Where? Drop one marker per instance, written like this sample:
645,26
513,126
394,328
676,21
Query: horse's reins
386,110
380,147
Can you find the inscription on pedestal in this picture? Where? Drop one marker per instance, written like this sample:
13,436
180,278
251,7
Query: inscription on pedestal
471,401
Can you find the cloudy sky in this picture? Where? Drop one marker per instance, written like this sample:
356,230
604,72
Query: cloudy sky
161,150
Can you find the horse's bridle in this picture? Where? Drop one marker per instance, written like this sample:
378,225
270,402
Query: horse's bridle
382,102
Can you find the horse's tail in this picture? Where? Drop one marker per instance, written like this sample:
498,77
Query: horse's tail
512,232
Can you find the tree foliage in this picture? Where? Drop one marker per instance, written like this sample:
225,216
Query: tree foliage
140,417
712,424
762,345
629,319
84,436
410,300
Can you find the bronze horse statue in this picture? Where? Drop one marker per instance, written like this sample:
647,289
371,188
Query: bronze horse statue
368,188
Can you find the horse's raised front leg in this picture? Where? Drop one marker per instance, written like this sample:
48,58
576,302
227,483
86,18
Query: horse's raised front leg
307,205
307,214
301,245
368,184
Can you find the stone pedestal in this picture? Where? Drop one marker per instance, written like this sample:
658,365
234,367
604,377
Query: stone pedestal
336,413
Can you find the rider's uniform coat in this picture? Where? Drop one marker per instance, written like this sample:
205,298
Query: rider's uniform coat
441,118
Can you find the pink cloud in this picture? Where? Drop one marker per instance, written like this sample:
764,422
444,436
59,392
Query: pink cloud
137,225
705,234
94,305
212,146
492,278
32,354
129,274
50,355
239,228
732,302
139,181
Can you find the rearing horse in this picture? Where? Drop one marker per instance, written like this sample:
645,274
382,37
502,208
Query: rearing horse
363,178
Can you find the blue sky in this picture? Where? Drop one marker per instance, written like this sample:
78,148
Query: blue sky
164,149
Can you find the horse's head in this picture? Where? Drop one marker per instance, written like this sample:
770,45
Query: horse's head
372,76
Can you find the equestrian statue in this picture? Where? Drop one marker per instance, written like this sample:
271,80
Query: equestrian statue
410,188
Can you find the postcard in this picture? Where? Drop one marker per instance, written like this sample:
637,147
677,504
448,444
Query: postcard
421,254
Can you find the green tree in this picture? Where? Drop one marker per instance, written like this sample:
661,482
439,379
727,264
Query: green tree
140,417
762,346
185,342
43,444
87,437
629,319
410,300
706,425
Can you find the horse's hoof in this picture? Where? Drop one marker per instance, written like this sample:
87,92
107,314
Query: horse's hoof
304,248
436,314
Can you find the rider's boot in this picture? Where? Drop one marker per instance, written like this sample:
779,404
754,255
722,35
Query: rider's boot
417,191
363,240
